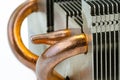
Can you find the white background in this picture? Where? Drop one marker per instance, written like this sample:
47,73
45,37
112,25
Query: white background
10,67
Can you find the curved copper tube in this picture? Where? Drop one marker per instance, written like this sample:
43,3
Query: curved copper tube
14,26
22,53
53,37
52,56
58,52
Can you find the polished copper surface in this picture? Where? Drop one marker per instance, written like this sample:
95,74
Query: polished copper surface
50,38
14,28
63,45
14,36
53,37
57,53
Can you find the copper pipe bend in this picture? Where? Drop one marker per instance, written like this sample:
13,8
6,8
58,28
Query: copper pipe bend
14,26
57,53
52,56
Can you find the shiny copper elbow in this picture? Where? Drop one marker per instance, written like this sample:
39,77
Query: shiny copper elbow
65,47
57,53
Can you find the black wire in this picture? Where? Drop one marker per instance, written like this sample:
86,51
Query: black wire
50,15
67,78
